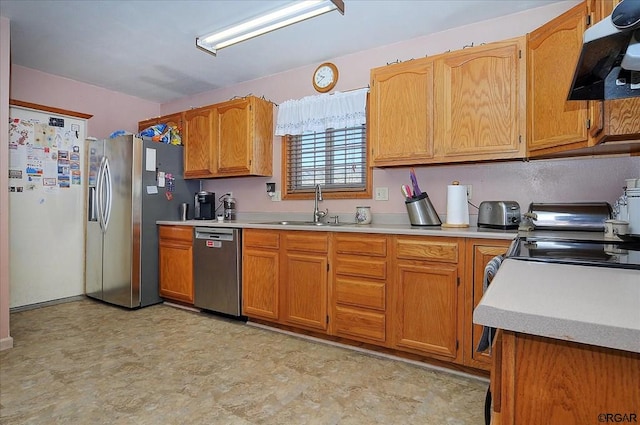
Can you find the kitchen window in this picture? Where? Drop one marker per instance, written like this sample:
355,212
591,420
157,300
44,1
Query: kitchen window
325,143
336,159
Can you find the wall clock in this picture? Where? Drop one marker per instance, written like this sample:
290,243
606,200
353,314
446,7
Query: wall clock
325,77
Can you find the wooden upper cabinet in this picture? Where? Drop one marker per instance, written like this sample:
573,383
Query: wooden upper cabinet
554,123
480,102
622,119
244,137
401,113
199,159
233,138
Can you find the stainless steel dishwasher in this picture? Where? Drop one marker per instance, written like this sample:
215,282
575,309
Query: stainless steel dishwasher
217,270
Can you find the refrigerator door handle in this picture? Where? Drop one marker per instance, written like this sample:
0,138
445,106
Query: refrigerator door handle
108,193
92,207
100,194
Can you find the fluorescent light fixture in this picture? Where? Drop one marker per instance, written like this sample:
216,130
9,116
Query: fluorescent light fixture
296,12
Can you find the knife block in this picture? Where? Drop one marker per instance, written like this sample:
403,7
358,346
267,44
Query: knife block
421,211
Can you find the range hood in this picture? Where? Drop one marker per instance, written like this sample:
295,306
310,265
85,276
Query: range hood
609,64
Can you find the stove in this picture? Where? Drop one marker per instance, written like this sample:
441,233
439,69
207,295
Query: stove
573,233
585,251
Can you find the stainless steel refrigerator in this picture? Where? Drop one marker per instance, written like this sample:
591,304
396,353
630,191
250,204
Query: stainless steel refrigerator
131,184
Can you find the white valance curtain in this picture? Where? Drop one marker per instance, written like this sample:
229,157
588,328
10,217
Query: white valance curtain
321,112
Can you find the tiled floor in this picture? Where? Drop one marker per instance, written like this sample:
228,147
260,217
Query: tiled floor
84,362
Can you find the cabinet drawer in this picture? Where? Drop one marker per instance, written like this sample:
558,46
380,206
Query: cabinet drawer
366,267
308,242
361,293
427,250
261,238
362,245
179,233
360,324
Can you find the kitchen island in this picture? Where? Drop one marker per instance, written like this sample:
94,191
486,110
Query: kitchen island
568,346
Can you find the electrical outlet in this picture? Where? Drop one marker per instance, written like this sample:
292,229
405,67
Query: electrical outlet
276,196
469,192
382,193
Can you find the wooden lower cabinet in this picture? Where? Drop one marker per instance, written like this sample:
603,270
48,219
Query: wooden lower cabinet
426,296
360,287
478,253
404,293
540,380
175,273
305,279
261,274
285,277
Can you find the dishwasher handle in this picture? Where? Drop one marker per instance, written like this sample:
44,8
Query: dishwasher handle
210,234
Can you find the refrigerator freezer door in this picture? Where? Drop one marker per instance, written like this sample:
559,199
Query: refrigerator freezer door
93,247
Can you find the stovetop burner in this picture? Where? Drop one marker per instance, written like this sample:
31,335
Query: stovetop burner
603,253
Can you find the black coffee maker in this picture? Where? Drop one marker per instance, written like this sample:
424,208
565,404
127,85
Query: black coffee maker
205,205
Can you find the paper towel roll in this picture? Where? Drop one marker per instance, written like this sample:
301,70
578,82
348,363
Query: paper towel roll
457,209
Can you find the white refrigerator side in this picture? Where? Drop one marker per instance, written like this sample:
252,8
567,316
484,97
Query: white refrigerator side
46,206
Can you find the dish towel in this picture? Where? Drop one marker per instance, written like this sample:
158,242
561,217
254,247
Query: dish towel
489,272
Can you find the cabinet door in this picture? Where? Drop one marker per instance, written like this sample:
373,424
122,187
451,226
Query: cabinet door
478,255
480,102
553,122
305,276
425,314
401,113
175,274
199,155
233,136
260,283
622,119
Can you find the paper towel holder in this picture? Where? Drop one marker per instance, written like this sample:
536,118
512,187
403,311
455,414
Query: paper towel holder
421,211
450,203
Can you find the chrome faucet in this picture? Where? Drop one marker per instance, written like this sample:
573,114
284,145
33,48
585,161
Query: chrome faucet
317,214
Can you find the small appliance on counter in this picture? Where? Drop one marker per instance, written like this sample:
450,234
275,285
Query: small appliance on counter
204,203
499,214
229,203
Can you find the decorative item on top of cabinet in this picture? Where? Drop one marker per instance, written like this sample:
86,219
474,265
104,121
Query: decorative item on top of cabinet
176,119
304,281
175,252
232,138
480,95
401,119
478,253
426,314
261,274
360,287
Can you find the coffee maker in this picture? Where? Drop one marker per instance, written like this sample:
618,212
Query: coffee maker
205,206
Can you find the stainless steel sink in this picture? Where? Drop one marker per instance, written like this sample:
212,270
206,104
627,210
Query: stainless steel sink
302,223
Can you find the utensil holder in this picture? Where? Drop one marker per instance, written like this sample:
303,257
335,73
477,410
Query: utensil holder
421,212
